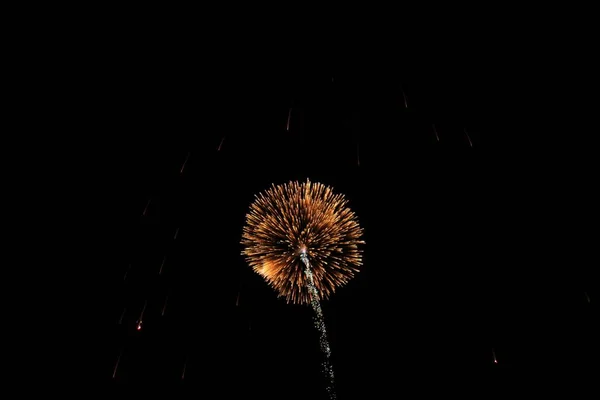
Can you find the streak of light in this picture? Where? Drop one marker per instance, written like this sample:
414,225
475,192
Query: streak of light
494,354
183,372
358,153
221,144
185,162
287,128
404,97
468,137
587,297
176,233
146,209
165,306
237,300
117,364
122,315
435,131
162,265
126,272
141,318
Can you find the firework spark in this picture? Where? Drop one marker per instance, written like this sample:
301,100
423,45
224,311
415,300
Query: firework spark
291,218
146,208
162,314
176,233
162,265
185,162
287,128
468,137
221,144
117,364
404,97
435,131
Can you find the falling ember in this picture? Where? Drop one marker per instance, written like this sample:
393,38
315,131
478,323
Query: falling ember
126,272
237,300
495,359
146,209
404,97
141,318
117,364
288,120
435,131
183,372
221,144
184,162
162,265
162,314
469,138
122,315
176,233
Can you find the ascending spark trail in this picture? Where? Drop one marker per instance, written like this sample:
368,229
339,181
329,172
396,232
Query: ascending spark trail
162,265
146,209
162,314
122,315
470,143
435,131
287,128
140,319
494,354
319,324
176,232
221,144
117,364
185,162
587,297
126,272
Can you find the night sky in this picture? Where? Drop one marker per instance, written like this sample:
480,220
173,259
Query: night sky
473,269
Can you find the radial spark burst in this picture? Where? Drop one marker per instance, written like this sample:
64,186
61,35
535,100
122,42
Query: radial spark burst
307,218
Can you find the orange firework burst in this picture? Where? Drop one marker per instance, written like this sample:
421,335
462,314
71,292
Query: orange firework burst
292,219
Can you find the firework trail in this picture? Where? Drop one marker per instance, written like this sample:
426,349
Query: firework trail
122,315
435,131
162,314
126,272
287,225
287,128
319,324
221,144
587,297
185,162
495,359
176,233
141,318
404,97
117,364
469,138
162,265
146,208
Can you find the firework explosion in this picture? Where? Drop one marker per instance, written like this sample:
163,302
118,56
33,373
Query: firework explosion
290,219
304,241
